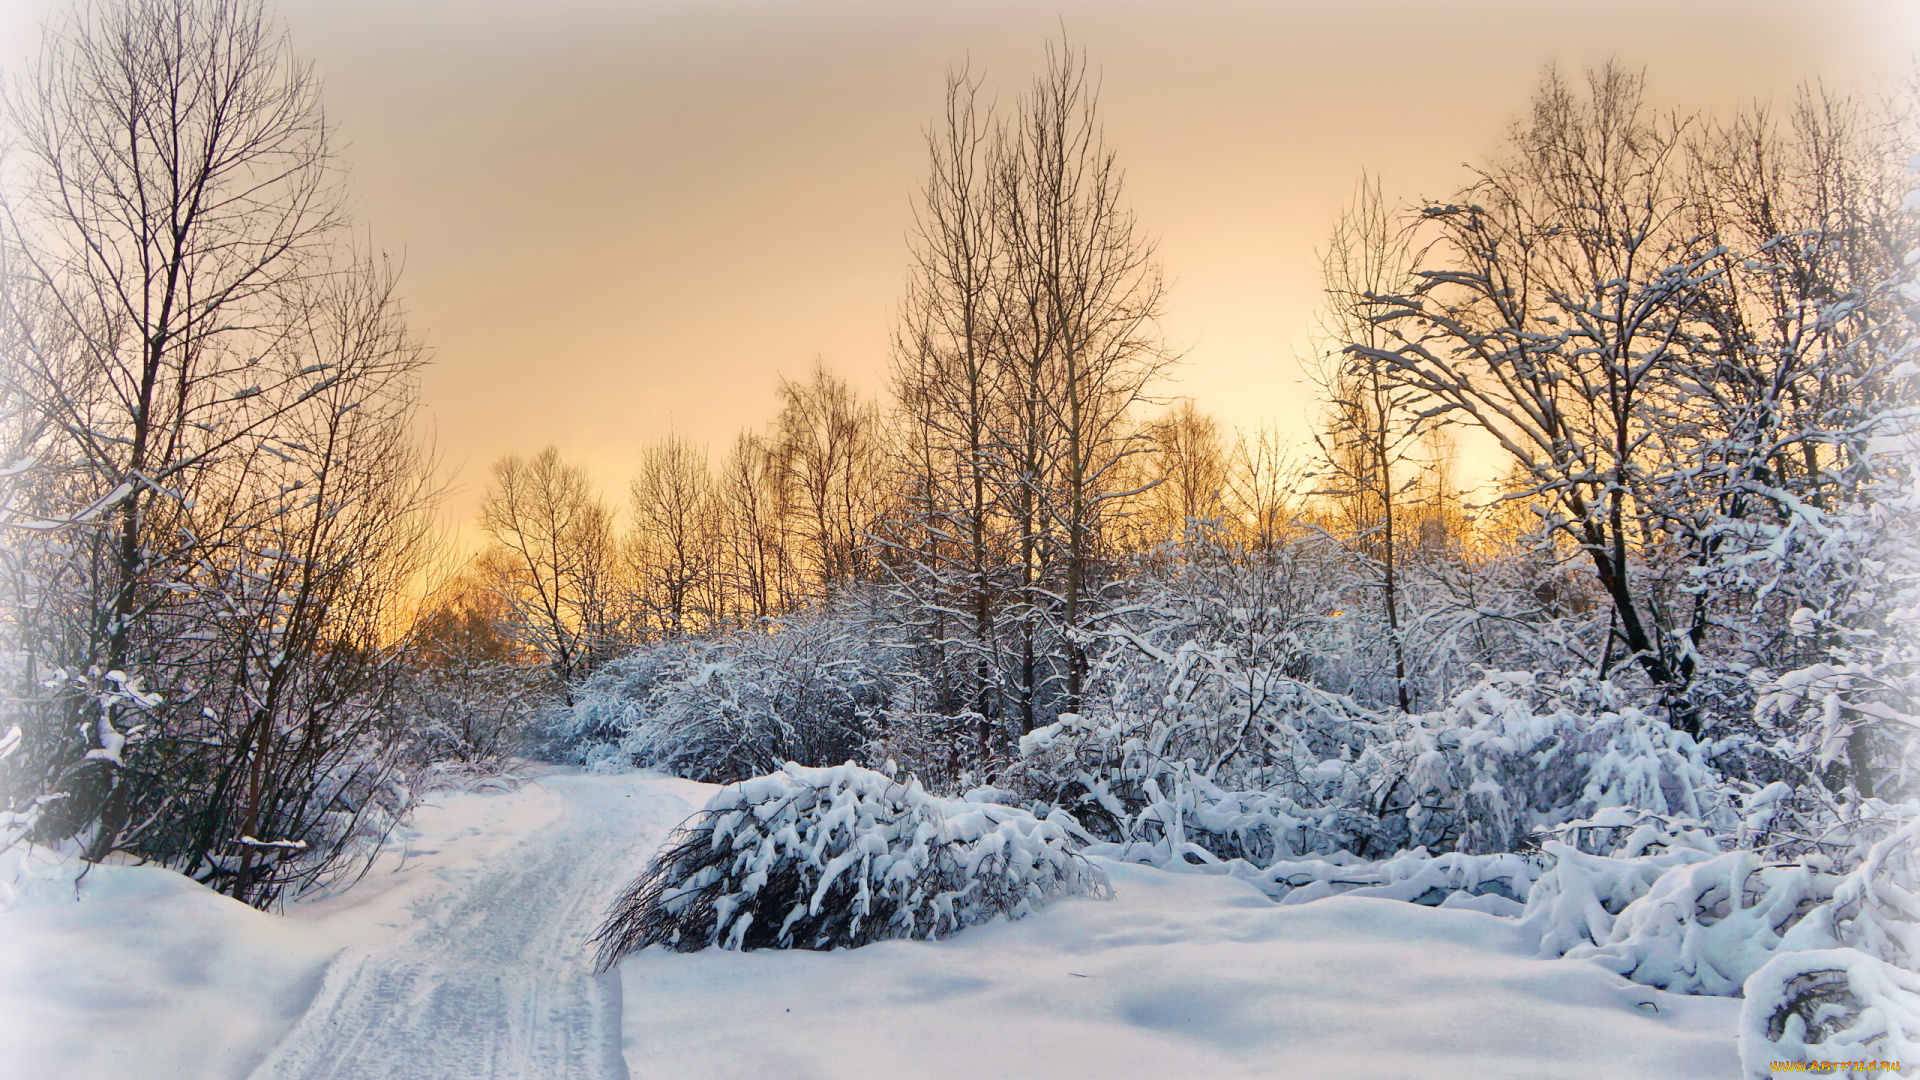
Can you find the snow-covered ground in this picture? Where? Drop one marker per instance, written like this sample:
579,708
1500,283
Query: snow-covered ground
1177,976
462,955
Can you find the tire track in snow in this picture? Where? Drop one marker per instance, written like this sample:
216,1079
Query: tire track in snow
496,980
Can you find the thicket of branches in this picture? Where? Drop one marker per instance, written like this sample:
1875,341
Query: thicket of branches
213,498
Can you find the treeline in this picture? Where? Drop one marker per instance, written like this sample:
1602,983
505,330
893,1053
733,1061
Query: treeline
991,493
1679,334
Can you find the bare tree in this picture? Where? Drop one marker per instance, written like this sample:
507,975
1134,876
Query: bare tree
1374,423
172,173
552,561
757,573
1185,476
826,443
1572,291
1260,486
1785,407
1078,342
949,545
224,384
673,537
344,526
1648,332
1027,339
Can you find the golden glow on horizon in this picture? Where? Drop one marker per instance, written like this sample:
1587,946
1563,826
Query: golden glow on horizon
621,219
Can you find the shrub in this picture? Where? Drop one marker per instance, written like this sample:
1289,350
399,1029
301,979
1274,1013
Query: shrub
1308,774
1832,1005
813,689
822,858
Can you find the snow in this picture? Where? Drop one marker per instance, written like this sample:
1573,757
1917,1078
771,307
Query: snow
1179,975
141,974
146,975
465,954
492,974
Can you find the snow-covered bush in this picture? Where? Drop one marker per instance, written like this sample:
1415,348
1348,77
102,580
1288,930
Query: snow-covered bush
1202,770
481,713
820,858
813,689
1508,758
1693,921
1577,899
610,708
1829,1005
1704,927
352,805
1180,767
1877,907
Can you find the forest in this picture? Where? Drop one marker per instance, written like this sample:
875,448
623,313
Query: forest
1673,622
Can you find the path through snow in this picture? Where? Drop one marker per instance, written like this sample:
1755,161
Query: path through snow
495,979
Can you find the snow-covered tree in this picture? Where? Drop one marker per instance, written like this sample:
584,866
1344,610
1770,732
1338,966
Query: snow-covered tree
1675,344
223,382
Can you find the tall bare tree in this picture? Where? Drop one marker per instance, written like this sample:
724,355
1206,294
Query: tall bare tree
1079,342
552,560
1028,337
335,528
950,545
673,538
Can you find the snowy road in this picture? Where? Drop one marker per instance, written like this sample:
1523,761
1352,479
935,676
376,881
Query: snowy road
495,979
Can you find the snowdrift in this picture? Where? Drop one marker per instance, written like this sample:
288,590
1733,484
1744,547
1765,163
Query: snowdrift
112,972
821,858
1189,976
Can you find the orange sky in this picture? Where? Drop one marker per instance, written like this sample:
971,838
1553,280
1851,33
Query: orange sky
624,218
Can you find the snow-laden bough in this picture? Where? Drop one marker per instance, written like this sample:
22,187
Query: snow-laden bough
822,858
1830,1005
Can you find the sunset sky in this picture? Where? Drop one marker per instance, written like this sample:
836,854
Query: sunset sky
620,219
